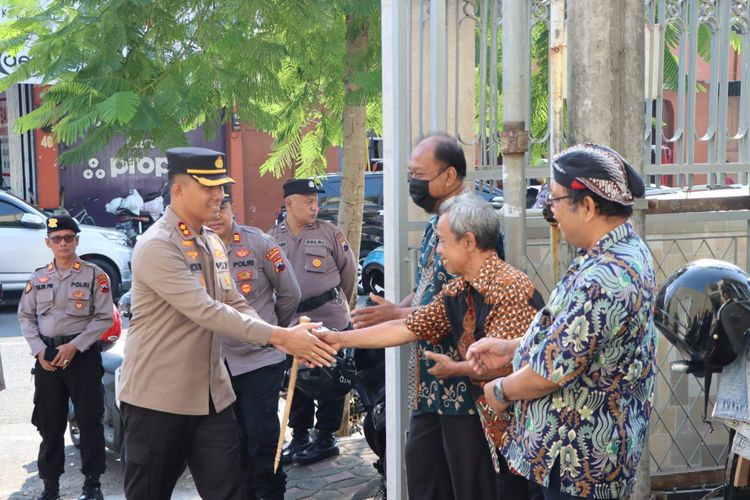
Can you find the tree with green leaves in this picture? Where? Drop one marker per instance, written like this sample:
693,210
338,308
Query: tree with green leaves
305,70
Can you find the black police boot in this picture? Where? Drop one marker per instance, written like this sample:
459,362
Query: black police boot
92,489
300,441
323,447
51,490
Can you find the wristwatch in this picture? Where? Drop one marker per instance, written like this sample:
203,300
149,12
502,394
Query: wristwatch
499,392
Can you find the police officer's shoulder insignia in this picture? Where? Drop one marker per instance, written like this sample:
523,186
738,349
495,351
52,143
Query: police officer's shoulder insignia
50,267
29,287
219,254
193,254
274,255
236,238
103,283
243,252
184,229
342,241
76,266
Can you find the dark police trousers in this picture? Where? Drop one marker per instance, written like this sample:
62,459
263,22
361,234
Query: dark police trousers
257,409
81,381
157,446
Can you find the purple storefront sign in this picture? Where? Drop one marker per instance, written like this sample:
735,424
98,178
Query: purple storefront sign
107,177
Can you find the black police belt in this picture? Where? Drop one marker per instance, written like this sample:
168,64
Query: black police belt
318,300
57,341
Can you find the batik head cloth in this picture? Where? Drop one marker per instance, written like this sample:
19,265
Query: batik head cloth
599,169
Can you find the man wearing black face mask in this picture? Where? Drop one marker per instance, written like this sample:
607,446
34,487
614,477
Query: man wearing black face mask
446,453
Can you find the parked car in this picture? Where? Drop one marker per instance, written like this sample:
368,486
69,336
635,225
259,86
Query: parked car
22,247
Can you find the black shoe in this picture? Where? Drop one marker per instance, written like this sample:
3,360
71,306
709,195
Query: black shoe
323,447
91,493
298,444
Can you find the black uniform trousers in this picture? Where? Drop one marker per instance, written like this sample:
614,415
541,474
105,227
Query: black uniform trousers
81,381
257,408
327,418
158,445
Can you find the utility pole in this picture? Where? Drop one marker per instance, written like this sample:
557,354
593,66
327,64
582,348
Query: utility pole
606,100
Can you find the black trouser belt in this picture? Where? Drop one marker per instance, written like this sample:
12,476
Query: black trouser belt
318,300
57,341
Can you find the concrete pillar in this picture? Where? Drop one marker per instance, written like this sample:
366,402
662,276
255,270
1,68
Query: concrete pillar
606,98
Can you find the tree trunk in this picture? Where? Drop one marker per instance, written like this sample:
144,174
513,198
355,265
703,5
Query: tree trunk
354,158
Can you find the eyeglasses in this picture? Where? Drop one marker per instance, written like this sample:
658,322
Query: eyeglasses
68,238
551,200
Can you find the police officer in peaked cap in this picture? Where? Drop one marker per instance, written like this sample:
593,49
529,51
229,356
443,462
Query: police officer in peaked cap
326,271
175,390
264,277
65,308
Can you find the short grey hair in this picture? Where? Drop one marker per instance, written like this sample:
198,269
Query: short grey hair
468,213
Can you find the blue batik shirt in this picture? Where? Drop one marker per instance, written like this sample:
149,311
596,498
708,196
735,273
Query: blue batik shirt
596,339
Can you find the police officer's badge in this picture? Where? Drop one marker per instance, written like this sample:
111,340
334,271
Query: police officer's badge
219,163
52,223
246,288
317,262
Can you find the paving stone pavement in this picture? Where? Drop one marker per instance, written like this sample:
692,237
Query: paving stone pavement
348,475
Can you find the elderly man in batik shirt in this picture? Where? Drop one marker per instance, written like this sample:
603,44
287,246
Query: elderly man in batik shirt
490,298
583,375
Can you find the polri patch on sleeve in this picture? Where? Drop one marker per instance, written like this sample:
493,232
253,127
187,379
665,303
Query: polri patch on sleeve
28,288
274,255
103,281
342,240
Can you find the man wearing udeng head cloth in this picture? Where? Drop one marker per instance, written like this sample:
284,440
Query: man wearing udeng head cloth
175,390
587,362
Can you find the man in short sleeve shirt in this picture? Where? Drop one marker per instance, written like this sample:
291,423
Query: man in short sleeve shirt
65,308
326,272
257,371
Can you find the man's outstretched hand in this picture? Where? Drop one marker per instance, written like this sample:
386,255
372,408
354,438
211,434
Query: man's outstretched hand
381,312
300,342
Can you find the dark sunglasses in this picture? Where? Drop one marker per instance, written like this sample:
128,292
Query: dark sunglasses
68,238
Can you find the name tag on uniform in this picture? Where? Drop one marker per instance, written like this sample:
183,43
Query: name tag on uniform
221,265
244,263
195,267
320,243
80,285
282,244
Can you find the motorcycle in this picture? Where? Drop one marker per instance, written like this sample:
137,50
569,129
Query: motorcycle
135,214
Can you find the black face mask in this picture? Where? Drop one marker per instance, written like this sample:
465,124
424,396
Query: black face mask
419,190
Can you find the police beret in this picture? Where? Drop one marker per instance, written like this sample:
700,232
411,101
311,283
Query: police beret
60,222
301,186
204,165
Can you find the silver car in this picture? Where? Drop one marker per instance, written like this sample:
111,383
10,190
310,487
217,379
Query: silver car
22,247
